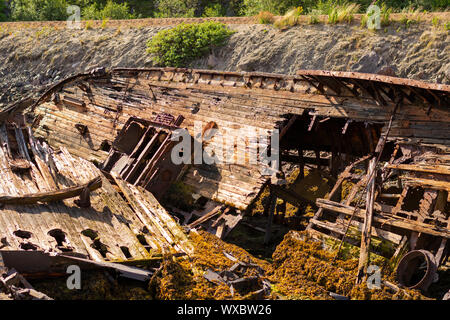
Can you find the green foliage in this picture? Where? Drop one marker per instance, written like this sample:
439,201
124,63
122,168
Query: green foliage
278,7
314,17
214,10
176,8
324,7
40,10
435,22
118,9
411,15
290,19
111,10
3,10
179,46
343,13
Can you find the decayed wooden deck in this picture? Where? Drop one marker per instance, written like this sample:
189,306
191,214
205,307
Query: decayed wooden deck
110,219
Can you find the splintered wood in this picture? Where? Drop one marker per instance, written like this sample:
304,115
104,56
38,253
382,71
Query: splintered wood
40,210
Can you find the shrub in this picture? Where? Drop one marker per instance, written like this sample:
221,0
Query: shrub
111,10
265,17
176,8
290,19
41,10
324,7
215,10
179,46
278,7
3,10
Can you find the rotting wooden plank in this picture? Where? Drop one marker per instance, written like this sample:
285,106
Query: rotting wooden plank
159,234
426,183
88,218
51,196
106,231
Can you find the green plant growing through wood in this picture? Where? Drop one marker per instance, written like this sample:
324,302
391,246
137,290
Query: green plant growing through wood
179,46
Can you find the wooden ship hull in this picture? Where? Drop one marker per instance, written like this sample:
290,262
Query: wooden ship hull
118,125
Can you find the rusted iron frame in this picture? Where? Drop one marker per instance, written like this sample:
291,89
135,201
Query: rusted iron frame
347,123
377,93
146,174
320,89
313,121
130,170
353,90
58,86
325,82
366,90
376,78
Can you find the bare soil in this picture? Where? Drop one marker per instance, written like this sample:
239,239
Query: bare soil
32,57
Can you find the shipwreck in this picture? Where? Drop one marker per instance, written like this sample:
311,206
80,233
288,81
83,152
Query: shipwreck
85,166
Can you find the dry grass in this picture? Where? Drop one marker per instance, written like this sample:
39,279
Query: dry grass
265,17
343,13
290,19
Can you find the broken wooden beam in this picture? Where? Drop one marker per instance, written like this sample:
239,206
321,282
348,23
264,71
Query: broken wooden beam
337,185
384,218
437,169
52,195
207,216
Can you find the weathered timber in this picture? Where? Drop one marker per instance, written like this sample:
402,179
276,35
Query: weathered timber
53,195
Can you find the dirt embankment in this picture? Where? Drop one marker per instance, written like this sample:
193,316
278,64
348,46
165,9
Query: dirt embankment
32,58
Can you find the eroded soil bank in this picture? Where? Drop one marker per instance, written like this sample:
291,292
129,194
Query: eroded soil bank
33,58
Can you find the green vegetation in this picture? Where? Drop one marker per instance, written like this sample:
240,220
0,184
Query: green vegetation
176,8
111,10
343,12
179,46
3,10
291,18
337,10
